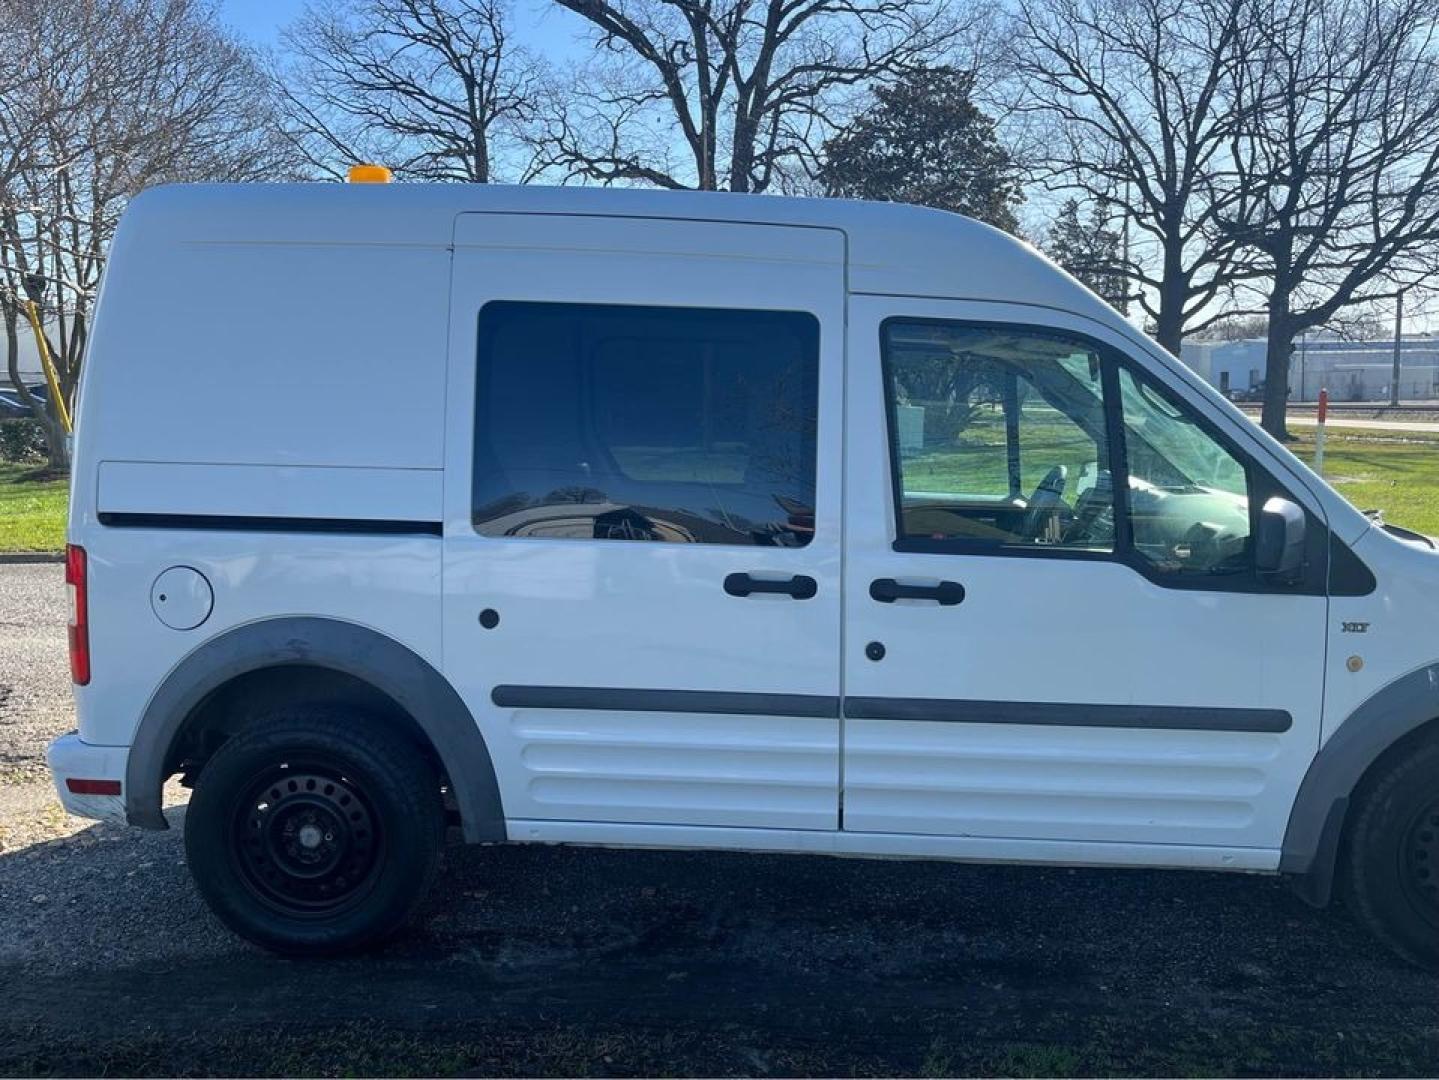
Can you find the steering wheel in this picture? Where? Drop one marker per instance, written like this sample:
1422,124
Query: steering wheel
1093,514
1047,495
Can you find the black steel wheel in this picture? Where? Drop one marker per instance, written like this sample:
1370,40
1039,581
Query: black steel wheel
314,831
306,839
1393,851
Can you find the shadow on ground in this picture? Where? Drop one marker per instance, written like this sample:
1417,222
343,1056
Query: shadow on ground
536,960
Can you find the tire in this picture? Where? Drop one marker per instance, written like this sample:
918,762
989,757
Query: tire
314,832
1393,854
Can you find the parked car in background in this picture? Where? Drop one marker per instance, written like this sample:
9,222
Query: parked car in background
705,521
12,405
1247,393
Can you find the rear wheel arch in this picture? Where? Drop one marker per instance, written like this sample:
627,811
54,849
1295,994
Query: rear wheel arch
316,660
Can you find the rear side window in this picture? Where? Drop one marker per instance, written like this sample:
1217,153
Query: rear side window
646,424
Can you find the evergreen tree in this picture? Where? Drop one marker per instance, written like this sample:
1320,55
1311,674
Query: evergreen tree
1090,250
924,141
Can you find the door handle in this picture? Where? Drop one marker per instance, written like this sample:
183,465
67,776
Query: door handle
887,591
801,587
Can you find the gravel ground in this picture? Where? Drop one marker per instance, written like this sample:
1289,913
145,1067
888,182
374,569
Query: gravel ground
533,960
34,701
34,675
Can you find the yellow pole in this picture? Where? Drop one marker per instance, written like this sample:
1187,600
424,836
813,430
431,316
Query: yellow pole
50,379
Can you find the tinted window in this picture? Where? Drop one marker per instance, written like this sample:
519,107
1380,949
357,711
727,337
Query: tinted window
1000,433
657,424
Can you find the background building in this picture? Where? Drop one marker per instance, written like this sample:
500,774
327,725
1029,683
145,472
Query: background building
1351,370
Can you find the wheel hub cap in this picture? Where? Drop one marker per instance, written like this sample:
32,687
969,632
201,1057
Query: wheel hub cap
307,841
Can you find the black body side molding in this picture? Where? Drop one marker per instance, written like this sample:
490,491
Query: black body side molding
690,701
1050,714
237,523
624,699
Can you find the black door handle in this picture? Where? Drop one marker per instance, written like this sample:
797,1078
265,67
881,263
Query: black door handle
800,586
887,591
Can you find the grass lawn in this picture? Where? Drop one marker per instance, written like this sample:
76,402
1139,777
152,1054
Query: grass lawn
1396,472
32,508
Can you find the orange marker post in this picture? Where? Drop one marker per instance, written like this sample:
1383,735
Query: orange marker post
1319,432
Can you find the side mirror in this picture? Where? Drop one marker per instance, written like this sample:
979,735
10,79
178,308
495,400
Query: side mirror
1279,546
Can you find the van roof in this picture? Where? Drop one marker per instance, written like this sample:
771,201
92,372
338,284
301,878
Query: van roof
893,248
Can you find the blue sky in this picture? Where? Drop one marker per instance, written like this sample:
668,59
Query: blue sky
540,25
259,20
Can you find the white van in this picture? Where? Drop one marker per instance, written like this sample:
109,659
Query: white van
705,521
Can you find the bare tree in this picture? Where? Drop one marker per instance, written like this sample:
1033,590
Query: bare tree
22,103
1130,101
434,88
730,94
1337,163
1235,328
131,93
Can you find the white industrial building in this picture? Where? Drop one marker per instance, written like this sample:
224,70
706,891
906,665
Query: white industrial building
1350,370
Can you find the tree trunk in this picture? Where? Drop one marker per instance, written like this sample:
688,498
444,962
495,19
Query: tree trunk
54,432
55,448
1169,321
1168,329
1278,351
741,158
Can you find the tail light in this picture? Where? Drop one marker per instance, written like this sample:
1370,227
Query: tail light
79,786
75,582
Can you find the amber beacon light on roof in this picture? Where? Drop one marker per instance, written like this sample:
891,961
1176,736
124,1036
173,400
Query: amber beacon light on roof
369,174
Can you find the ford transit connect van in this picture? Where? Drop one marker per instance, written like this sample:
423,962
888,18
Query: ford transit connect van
705,521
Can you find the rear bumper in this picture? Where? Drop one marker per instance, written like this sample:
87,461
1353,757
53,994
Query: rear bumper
98,772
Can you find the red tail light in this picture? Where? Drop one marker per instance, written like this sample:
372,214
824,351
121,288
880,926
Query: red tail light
81,786
79,614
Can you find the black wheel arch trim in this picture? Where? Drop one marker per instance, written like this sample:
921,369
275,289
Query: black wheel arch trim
388,666
1316,821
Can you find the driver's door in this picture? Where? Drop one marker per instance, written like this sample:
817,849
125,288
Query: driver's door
1027,655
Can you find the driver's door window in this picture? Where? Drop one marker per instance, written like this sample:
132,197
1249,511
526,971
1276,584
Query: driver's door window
1000,439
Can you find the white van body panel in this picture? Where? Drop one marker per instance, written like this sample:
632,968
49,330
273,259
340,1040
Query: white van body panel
286,400
237,368
189,488
388,583
1377,639
576,613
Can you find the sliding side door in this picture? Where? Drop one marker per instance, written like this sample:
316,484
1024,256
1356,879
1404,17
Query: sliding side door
642,531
